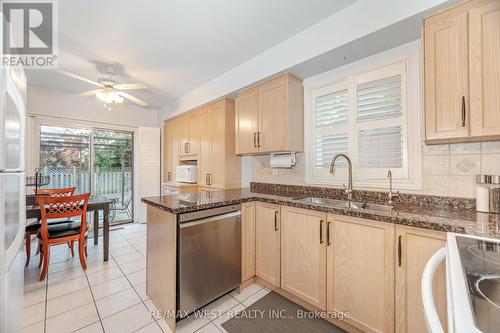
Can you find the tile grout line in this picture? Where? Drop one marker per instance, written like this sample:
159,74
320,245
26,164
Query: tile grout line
95,304
133,288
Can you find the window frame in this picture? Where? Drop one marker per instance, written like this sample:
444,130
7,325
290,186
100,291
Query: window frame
404,60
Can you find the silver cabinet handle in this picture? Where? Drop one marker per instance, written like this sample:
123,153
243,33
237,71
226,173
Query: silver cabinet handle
169,176
399,251
186,147
258,139
254,140
463,111
208,179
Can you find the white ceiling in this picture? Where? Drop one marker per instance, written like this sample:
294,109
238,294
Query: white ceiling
173,46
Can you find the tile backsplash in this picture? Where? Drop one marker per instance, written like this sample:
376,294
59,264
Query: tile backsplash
450,169
447,169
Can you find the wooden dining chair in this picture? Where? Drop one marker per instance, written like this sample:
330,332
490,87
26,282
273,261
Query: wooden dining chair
48,235
32,228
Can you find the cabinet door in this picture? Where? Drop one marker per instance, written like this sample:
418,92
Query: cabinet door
484,37
446,76
205,154
182,125
176,144
247,240
247,122
217,175
267,242
303,254
193,132
414,248
167,153
360,272
273,120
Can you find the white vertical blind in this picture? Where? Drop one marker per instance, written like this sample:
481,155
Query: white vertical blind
149,166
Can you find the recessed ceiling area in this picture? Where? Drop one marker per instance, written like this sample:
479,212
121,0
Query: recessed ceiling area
172,46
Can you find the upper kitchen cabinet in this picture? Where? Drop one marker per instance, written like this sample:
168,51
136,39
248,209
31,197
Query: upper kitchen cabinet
269,117
484,35
218,165
462,73
189,127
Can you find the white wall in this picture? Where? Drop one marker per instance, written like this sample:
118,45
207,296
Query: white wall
48,102
355,21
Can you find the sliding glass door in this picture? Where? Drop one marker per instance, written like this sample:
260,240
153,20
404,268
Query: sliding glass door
113,172
65,156
93,160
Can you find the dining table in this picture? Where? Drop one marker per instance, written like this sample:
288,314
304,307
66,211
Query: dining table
96,204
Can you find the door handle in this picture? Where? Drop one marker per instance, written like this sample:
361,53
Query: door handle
254,140
209,179
206,179
463,111
186,147
399,251
258,139
275,221
321,232
169,176
328,243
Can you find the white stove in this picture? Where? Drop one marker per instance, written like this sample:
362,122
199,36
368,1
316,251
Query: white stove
473,285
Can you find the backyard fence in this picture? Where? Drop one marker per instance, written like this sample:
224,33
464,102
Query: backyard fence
111,181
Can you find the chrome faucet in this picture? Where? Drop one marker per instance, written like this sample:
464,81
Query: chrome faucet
391,195
348,190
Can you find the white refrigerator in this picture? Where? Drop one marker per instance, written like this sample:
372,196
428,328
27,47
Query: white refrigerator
12,197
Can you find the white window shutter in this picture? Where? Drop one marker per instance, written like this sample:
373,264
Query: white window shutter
149,166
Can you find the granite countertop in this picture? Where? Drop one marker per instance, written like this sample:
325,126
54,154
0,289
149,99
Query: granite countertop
445,219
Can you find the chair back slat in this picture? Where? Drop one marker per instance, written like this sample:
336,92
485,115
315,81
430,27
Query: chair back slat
57,192
63,207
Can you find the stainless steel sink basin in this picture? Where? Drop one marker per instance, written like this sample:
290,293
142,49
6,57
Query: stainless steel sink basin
321,201
348,205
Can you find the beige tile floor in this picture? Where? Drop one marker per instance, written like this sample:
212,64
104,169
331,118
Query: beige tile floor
111,297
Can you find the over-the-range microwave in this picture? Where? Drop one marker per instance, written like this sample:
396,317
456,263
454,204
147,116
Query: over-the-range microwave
186,173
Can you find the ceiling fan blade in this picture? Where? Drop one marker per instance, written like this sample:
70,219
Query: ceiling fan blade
133,99
90,92
130,86
81,78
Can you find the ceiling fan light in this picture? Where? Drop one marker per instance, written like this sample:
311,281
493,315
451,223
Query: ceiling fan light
109,96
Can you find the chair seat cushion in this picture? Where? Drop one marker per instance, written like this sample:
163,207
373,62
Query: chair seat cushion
62,230
33,227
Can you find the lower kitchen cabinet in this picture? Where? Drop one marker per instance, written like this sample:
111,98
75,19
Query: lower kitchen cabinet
360,272
267,242
415,247
247,240
303,254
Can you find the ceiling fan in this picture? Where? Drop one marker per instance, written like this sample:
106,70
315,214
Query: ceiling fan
110,91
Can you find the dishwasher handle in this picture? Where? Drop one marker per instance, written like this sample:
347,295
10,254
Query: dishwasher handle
236,214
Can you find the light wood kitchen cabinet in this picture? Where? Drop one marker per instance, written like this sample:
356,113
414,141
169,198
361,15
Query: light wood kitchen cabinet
247,121
218,165
414,248
171,143
303,254
461,73
269,117
360,272
189,128
247,240
168,165
267,242
484,46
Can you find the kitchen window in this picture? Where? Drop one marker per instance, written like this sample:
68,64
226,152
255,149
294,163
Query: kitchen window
373,117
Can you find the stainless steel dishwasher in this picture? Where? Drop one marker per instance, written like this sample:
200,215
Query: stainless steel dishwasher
209,262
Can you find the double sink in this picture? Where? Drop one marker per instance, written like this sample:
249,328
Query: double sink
361,206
